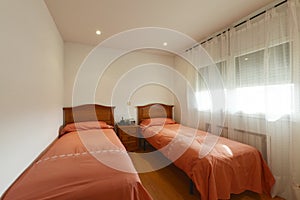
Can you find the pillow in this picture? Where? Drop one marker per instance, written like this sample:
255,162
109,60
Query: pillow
79,126
157,121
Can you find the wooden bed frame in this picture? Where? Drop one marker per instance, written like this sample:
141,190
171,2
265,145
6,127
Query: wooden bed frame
154,110
82,113
159,110
86,112
89,112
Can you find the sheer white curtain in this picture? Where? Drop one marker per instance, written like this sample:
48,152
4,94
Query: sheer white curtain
260,67
262,92
217,49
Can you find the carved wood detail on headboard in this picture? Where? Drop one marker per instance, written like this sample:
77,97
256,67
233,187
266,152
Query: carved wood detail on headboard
154,110
89,112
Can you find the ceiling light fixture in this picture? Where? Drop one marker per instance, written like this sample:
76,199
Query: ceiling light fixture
165,43
98,32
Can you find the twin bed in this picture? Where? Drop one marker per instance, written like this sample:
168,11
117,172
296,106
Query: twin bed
231,167
79,165
88,161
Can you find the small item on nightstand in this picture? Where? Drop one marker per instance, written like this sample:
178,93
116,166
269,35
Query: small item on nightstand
122,122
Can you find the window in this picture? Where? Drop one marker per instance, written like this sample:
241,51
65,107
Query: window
263,81
254,69
203,95
261,84
249,69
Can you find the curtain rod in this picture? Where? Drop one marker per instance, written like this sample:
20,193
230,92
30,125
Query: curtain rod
240,22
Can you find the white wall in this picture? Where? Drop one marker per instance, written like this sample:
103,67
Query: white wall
31,84
75,54
158,93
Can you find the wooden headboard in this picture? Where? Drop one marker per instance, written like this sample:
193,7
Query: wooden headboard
89,112
154,110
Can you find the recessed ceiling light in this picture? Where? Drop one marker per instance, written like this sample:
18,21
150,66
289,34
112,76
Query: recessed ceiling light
165,43
246,59
98,32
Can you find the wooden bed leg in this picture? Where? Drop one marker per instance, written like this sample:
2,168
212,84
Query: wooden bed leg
144,143
191,187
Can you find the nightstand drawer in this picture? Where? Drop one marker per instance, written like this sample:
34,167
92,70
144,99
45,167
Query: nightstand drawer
128,135
131,146
130,130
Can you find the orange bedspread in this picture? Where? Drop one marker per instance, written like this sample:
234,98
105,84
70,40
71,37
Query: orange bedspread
231,167
69,171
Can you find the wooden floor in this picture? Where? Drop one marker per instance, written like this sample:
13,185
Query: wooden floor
171,183
168,183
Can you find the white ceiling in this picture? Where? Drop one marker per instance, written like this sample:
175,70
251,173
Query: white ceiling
78,20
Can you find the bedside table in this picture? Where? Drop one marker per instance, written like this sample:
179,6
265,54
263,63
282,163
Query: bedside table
128,135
